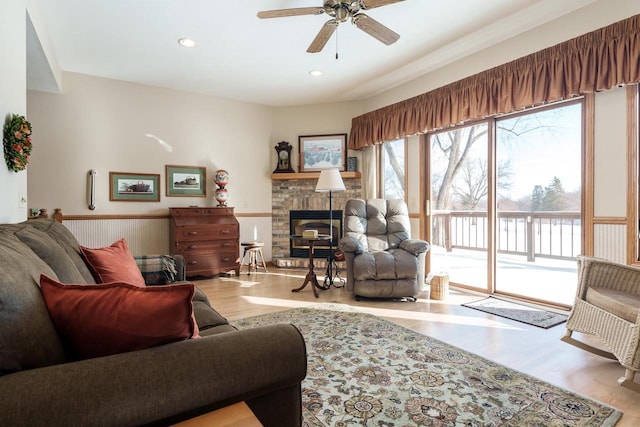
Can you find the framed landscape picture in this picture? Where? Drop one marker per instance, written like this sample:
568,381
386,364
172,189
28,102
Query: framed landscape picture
134,187
188,181
318,152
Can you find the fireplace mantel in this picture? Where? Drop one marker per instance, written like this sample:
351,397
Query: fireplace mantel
310,175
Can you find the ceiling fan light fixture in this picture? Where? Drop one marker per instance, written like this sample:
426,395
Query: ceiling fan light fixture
315,73
340,11
186,42
342,14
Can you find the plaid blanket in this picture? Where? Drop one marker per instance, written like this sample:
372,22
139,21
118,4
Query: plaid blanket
157,269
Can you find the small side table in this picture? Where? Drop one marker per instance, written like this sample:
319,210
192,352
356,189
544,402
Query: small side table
238,414
311,275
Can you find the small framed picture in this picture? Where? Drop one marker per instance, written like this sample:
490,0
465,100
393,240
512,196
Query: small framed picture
318,152
186,181
352,164
134,187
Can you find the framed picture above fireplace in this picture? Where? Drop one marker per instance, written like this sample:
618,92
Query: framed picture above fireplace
318,152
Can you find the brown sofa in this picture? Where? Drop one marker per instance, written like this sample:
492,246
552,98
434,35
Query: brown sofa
41,385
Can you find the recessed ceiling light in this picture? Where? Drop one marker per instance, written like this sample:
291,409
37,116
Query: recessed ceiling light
186,42
315,73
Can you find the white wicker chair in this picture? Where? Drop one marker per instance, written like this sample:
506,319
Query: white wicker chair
607,305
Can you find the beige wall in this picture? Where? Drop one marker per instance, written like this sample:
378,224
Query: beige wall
291,122
610,174
101,124
13,100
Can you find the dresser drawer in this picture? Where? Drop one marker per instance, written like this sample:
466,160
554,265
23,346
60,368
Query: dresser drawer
206,246
207,232
210,264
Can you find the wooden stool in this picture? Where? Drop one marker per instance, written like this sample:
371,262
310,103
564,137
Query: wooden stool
254,249
439,286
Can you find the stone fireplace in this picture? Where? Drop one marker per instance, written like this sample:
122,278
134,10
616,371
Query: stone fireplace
296,192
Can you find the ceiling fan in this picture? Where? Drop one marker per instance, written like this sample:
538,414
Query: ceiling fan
340,11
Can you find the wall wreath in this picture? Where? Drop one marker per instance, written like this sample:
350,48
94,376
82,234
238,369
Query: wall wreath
17,142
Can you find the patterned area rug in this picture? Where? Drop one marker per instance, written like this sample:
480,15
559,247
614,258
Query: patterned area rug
364,370
521,313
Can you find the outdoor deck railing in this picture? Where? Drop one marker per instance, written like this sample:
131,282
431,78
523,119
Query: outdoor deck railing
532,234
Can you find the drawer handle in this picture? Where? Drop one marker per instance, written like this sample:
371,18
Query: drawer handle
225,231
225,259
193,247
192,233
193,262
227,244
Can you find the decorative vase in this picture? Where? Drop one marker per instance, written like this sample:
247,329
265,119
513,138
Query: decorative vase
221,196
221,179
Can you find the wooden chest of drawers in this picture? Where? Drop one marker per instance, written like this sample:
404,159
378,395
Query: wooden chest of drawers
208,238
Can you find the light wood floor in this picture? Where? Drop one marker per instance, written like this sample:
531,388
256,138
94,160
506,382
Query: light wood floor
535,351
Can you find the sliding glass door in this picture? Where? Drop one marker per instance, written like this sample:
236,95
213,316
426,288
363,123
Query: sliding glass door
458,200
505,200
539,167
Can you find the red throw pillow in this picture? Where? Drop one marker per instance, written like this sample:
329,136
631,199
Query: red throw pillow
111,318
113,264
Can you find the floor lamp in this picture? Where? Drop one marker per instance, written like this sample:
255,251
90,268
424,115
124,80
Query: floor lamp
330,181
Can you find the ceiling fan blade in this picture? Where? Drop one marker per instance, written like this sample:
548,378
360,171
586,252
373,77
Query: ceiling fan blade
370,4
280,13
375,29
323,36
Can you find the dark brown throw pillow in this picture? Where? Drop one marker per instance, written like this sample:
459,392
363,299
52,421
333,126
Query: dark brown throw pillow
113,264
111,318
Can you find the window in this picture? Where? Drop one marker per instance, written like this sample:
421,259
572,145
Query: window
393,169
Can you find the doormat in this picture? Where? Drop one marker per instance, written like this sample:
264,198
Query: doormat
518,312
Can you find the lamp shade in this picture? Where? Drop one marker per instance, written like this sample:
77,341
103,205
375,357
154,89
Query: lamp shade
330,180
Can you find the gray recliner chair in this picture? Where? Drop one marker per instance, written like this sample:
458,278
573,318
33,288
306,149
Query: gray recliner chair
382,260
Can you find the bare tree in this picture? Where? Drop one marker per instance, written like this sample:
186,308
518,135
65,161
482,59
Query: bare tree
456,146
396,179
473,185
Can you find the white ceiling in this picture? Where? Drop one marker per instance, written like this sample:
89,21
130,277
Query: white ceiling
248,59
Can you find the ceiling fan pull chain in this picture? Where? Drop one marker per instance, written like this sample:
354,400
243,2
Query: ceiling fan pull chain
337,43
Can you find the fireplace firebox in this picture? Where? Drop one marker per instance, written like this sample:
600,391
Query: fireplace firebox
300,221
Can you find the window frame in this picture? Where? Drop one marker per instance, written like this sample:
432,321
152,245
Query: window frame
633,175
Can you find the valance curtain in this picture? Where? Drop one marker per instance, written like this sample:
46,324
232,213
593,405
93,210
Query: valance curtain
593,62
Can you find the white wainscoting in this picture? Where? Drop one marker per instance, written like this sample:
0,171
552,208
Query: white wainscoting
144,236
151,235
610,242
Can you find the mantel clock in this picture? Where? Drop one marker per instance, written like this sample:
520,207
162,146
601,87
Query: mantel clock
284,157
